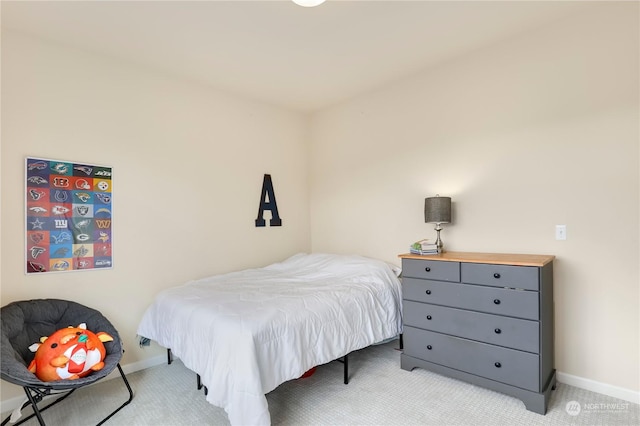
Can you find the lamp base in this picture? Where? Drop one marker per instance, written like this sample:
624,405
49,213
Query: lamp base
439,244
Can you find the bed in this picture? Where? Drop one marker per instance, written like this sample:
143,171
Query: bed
246,332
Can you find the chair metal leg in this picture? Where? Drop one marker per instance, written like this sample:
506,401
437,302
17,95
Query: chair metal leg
36,395
34,404
24,405
126,382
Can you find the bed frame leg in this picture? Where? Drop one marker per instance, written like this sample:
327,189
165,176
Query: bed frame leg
169,356
346,369
345,361
200,385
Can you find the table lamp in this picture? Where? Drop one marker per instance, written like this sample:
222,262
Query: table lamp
437,210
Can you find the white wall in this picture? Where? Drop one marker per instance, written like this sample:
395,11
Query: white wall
188,166
535,131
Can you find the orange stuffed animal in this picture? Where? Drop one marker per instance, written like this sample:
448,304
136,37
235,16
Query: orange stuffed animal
69,353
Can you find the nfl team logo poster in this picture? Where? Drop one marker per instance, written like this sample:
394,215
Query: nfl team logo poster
68,212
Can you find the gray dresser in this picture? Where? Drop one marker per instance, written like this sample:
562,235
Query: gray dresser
483,318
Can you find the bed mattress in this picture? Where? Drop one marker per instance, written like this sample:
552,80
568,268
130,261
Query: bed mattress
247,332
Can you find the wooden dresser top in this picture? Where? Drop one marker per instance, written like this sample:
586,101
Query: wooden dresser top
492,258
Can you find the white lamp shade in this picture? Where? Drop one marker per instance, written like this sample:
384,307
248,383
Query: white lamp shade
308,3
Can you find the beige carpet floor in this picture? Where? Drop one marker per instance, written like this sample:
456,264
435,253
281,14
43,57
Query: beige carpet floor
379,393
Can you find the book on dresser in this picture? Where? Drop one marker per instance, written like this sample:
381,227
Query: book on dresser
423,247
483,318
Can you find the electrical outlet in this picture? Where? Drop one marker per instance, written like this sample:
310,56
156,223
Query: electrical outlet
561,232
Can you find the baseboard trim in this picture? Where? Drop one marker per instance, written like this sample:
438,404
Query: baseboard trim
12,403
141,365
599,387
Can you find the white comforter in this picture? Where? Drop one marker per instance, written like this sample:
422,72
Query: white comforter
247,332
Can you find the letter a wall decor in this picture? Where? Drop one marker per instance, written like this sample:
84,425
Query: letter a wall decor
68,216
267,191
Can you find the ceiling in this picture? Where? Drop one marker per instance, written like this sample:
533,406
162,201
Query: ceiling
275,51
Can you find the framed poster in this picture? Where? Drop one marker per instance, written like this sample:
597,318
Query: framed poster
68,216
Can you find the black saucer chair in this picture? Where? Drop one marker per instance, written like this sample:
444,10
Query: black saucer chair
25,322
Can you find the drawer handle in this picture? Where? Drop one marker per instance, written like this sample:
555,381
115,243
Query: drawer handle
496,275
429,347
428,291
496,301
429,317
427,269
498,365
497,331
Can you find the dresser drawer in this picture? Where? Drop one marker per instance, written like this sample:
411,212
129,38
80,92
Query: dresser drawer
524,277
504,365
431,269
501,301
498,330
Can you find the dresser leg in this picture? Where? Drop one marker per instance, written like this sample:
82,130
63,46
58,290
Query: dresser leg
538,403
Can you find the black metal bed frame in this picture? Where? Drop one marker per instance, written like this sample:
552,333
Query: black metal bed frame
344,360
